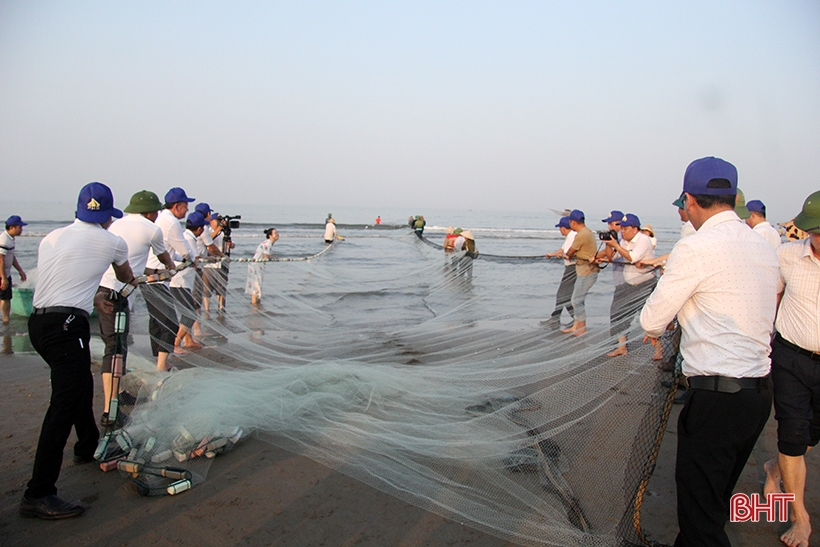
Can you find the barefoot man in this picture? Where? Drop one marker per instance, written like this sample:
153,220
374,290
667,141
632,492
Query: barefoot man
796,368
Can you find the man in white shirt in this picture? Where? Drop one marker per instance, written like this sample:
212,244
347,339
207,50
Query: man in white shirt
563,298
796,368
14,227
70,262
638,283
163,324
721,283
182,287
757,222
214,276
142,236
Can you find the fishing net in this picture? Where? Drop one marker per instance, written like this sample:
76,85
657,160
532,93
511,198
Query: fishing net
436,378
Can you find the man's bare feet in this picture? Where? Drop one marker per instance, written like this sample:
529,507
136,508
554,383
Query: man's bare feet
569,330
580,332
617,351
179,350
797,535
772,484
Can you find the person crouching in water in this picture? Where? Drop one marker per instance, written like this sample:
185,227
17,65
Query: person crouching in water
330,231
182,286
256,270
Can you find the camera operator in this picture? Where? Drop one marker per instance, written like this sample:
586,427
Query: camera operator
215,276
635,284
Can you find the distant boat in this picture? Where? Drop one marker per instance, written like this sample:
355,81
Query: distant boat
564,213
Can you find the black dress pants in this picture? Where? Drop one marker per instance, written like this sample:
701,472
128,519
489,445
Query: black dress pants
716,434
62,339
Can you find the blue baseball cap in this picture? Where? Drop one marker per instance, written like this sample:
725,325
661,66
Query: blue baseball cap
175,195
15,220
756,206
203,208
196,219
710,176
96,203
576,215
563,223
630,220
614,216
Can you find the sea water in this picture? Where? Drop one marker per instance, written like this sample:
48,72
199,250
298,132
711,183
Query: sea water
374,271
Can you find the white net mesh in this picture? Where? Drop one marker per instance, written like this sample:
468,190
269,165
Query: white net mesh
428,377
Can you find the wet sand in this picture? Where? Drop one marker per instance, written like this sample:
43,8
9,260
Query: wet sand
259,495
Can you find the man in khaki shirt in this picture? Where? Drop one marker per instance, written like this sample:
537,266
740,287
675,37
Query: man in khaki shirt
583,249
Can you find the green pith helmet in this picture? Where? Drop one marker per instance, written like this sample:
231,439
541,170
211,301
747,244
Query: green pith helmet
740,205
144,202
809,218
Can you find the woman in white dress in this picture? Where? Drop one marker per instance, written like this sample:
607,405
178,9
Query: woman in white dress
256,270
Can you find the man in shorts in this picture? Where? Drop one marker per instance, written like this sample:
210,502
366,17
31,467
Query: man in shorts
14,227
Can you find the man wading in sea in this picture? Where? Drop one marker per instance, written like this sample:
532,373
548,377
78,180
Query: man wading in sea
721,283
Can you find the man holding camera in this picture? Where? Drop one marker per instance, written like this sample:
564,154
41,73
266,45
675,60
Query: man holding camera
633,284
215,276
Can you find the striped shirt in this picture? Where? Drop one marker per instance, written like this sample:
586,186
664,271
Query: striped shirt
798,319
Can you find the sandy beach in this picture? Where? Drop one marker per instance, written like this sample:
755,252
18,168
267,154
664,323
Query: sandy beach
260,495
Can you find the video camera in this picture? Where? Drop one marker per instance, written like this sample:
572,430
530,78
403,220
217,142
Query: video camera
228,223
608,235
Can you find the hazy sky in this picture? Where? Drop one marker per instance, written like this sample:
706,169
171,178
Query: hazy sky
481,105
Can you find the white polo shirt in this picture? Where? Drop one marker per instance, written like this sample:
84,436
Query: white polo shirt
798,319
142,237
186,278
721,282
7,250
567,246
71,262
174,238
687,229
640,248
769,233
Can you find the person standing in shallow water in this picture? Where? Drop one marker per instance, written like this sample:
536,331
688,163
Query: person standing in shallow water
721,282
14,227
256,270
563,298
583,249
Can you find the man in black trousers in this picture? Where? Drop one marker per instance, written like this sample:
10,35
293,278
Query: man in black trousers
71,261
721,283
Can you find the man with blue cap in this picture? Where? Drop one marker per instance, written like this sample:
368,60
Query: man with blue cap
14,227
563,298
162,323
70,263
633,285
583,249
721,283
757,222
